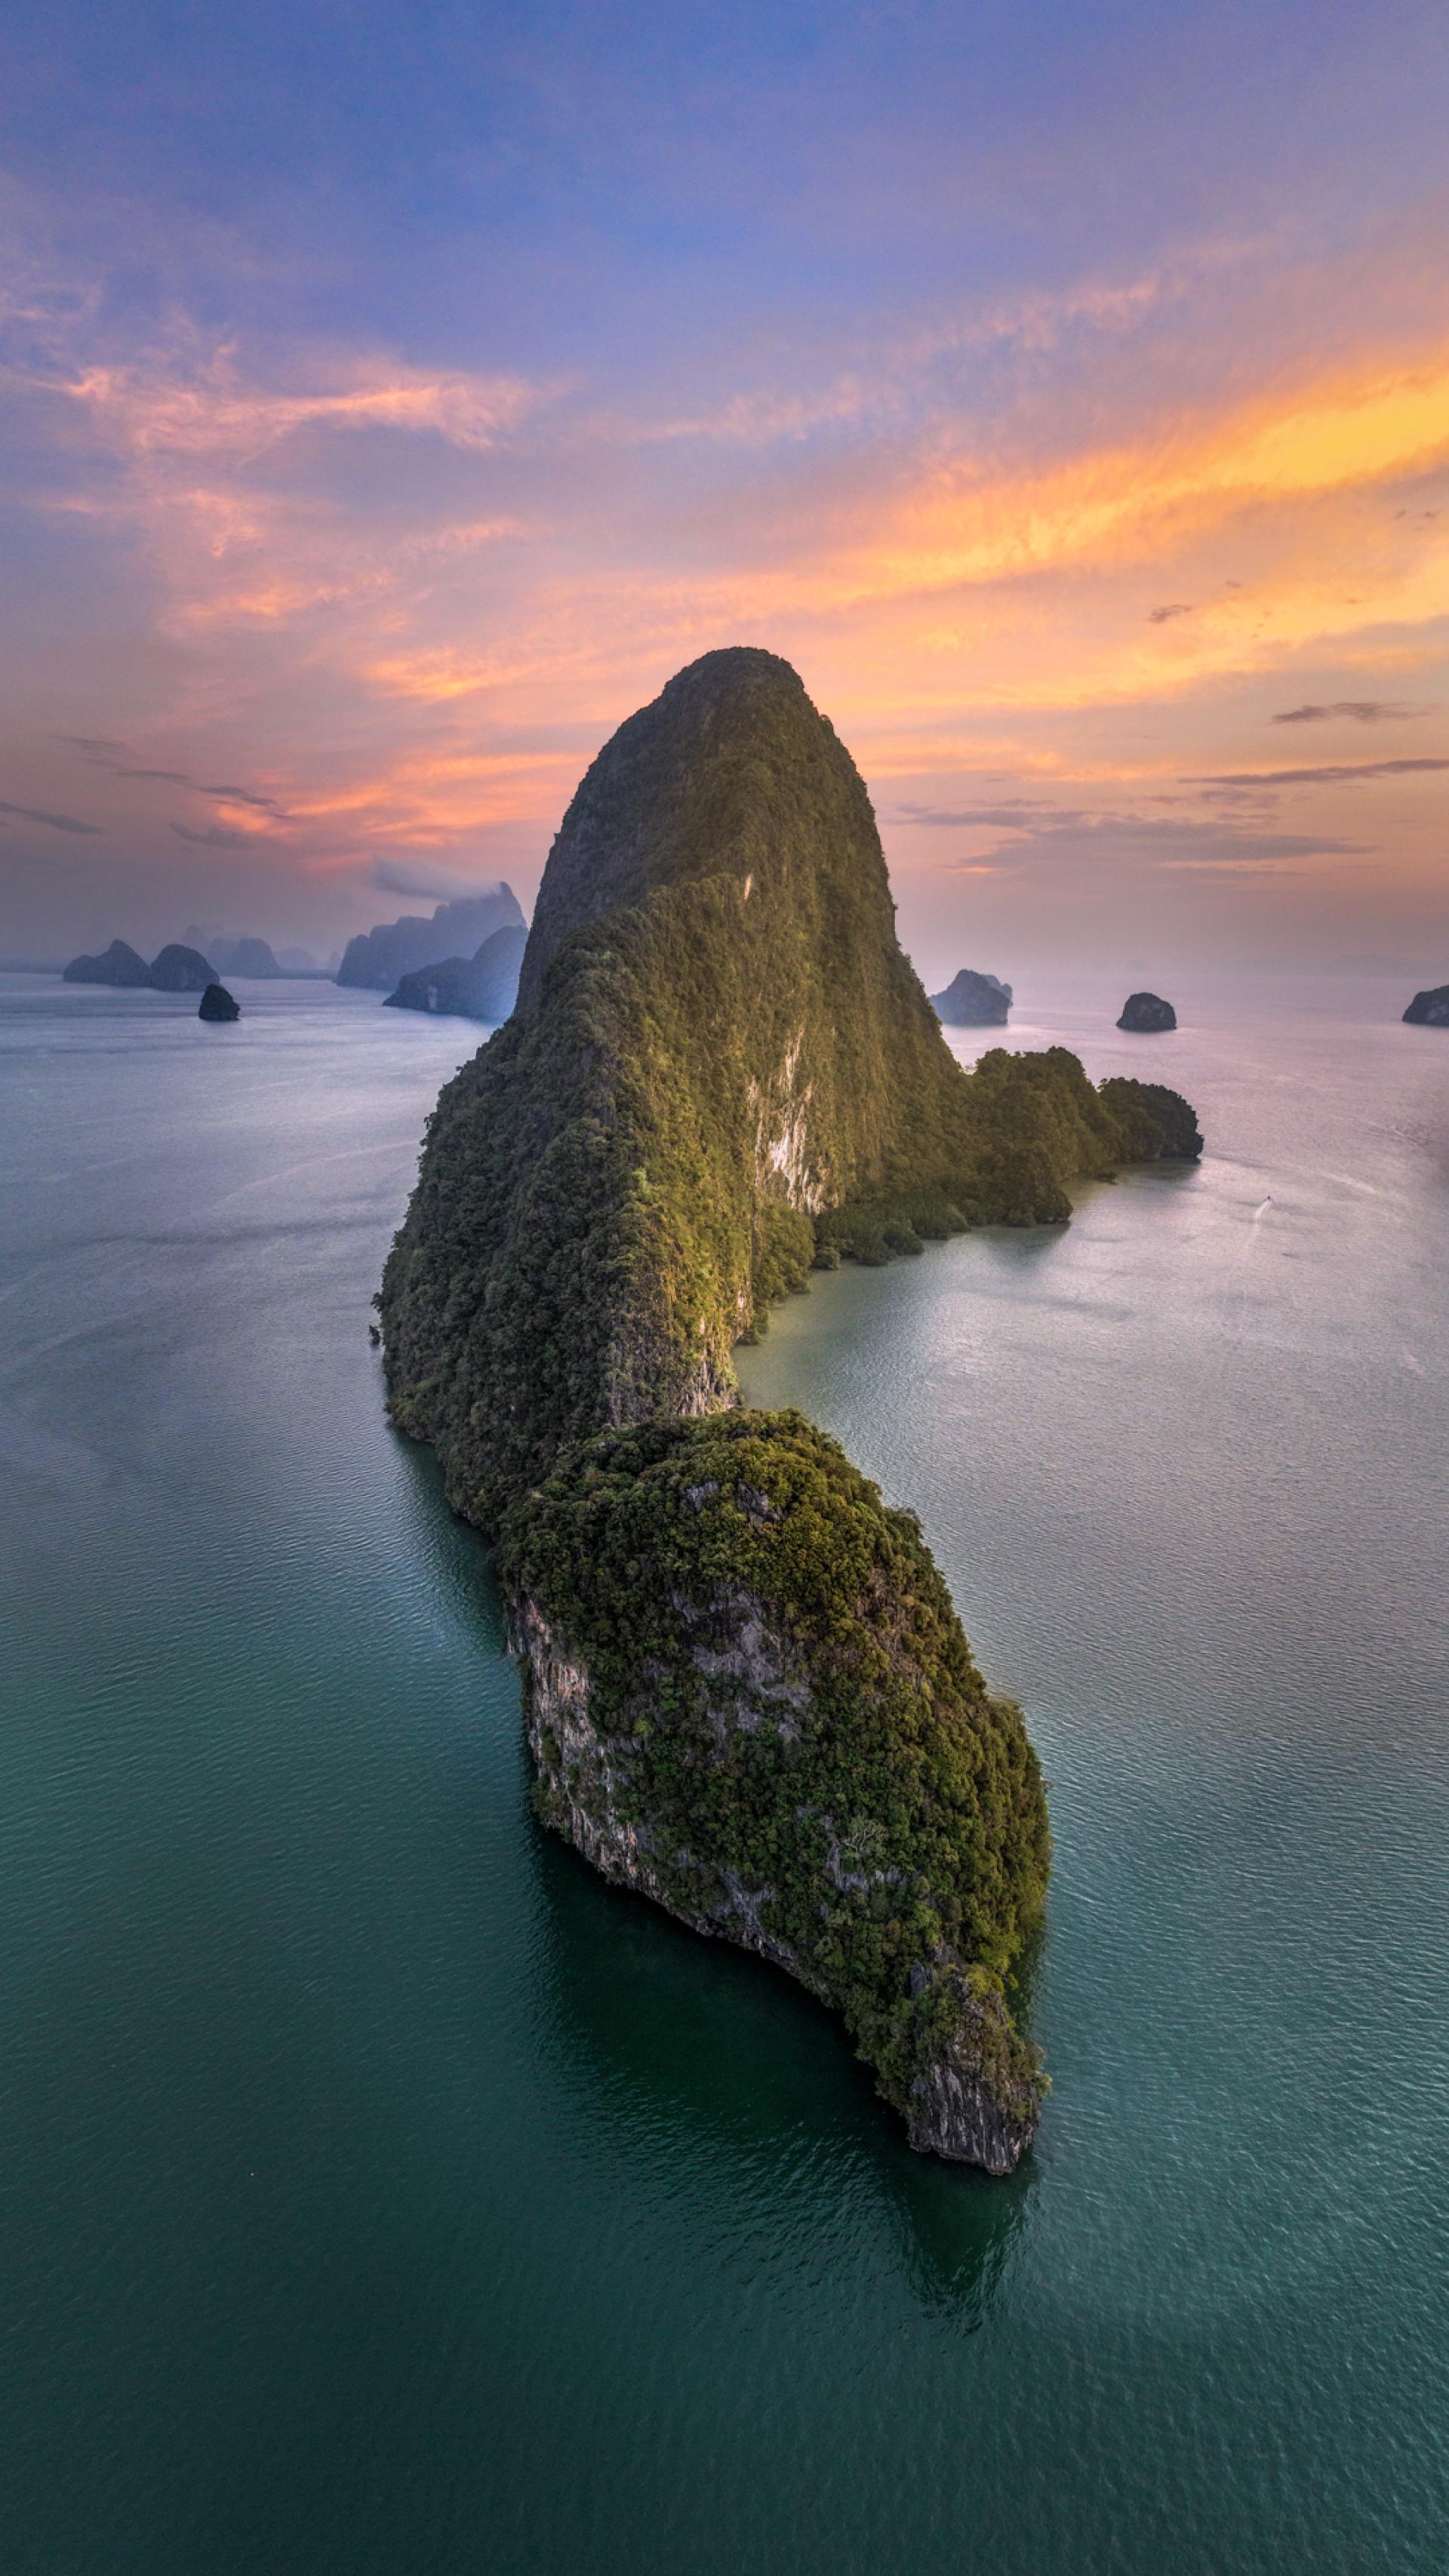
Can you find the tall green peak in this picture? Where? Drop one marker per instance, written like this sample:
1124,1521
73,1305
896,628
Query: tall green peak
722,1069
729,771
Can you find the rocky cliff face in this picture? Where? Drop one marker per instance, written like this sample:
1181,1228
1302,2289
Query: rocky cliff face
1430,1010
748,1698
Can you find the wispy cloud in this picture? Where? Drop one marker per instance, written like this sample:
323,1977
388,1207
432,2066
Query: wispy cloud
104,754
52,822
1355,710
1112,841
427,880
1044,831
1013,814
215,838
1340,773
194,402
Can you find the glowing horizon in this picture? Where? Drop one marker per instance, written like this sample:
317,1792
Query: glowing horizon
372,456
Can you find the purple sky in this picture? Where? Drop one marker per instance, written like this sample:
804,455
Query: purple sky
393,398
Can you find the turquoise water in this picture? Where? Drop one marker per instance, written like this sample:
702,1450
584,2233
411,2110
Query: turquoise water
380,2192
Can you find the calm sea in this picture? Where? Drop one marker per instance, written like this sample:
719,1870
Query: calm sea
380,2195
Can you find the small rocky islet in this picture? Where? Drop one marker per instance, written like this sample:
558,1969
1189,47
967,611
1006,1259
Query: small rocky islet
1147,1014
218,1004
1430,1009
746,1690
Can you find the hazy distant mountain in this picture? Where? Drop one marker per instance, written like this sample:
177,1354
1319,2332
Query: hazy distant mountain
232,952
484,987
297,961
378,959
973,1001
245,957
179,969
117,964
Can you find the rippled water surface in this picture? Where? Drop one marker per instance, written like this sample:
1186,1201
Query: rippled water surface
380,2192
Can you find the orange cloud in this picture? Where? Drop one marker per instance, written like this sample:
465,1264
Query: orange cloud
211,410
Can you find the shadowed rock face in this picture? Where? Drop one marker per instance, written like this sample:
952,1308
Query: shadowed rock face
1147,1014
117,965
218,1004
973,1001
1430,1010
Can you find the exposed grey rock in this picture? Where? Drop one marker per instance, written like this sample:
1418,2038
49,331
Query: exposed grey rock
964,2105
1430,1010
973,2101
218,1004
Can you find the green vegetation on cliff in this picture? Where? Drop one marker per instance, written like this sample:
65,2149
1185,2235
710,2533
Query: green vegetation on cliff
722,1067
785,1737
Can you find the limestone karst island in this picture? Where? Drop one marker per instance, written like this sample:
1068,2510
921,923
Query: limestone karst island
747,1692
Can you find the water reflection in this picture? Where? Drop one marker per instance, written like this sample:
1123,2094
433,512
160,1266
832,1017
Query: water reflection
721,2068
958,2231
459,1563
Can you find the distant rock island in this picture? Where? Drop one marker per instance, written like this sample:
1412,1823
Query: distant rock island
747,1692
179,969
218,1004
1430,1010
378,959
117,964
484,987
973,1001
176,970
1147,1013
233,953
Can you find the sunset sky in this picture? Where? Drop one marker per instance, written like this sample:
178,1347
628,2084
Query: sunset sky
394,397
